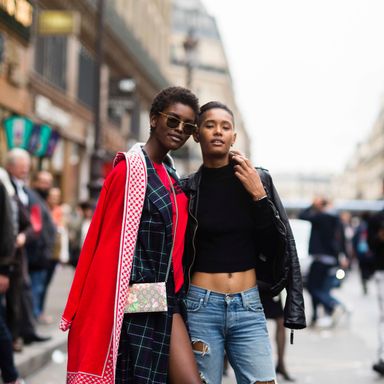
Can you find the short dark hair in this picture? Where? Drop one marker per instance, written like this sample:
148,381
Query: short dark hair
172,95
84,205
212,105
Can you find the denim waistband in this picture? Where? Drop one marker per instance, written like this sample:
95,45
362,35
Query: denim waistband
250,294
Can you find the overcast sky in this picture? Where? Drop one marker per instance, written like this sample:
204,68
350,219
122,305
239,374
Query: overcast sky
308,76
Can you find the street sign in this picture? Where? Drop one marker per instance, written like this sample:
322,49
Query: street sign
58,22
38,139
18,131
38,142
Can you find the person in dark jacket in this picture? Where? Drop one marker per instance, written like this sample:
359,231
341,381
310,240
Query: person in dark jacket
326,246
238,242
376,245
362,251
40,249
8,370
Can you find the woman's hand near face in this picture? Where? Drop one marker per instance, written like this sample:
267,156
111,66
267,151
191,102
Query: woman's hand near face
249,177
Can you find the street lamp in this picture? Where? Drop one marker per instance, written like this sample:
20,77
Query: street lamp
190,48
96,177
190,45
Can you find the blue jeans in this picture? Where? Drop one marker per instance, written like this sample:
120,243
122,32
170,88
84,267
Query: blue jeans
236,324
38,279
7,365
319,286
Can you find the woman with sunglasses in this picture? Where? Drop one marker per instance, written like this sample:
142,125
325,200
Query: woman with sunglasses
136,236
238,241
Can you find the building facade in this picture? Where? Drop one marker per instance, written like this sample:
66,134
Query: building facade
363,177
49,79
304,187
16,20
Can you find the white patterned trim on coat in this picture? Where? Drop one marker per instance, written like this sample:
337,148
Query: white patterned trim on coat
65,324
106,376
135,188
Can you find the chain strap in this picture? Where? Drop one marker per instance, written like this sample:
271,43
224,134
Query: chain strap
175,228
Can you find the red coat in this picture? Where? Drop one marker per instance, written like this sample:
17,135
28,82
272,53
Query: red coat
95,306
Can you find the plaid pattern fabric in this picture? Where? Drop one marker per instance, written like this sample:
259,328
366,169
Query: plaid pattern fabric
145,337
154,240
144,344
143,349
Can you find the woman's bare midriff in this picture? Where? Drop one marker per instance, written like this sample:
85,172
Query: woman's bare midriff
225,282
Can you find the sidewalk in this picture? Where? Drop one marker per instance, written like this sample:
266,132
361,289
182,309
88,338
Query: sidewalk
35,356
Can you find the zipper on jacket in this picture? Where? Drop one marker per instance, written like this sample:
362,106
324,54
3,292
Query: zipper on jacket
276,215
193,244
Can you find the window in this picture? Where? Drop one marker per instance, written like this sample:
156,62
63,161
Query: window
51,59
86,88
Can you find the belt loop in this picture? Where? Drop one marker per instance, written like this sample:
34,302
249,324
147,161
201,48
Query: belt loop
206,297
244,299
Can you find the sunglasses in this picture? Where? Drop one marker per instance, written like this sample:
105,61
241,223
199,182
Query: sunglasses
173,123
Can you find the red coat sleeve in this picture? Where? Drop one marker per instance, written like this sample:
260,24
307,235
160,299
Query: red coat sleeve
102,240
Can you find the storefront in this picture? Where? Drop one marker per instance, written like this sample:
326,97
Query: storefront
15,30
68,162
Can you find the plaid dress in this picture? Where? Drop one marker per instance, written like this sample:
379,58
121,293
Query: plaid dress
145,337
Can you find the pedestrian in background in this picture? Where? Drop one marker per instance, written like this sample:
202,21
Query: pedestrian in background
363,252
60,245
40,248
8,370
20,316
238,241
75,221
326,247
376,244
346,222
136,236
87,213
21,226
78,227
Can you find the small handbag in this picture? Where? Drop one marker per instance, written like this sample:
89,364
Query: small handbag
151,297
146,297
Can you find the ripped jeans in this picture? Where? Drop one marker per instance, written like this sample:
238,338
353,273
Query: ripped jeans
236,324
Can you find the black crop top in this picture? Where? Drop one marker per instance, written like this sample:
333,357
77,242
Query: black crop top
227,219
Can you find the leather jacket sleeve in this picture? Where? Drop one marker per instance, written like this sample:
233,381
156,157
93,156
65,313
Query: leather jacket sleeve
294,314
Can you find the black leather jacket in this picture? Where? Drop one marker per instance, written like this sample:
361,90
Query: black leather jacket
277,264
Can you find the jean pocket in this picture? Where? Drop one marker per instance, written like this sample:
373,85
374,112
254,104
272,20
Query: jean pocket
255,307
193,305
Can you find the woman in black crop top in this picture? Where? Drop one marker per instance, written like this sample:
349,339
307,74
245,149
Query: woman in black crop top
231,218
